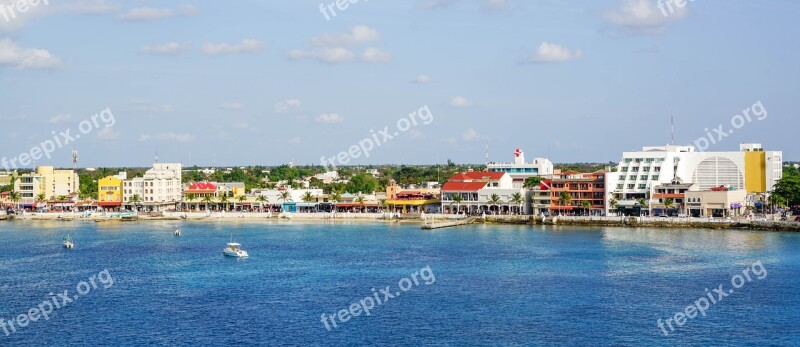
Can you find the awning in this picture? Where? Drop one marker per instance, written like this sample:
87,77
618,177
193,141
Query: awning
109,203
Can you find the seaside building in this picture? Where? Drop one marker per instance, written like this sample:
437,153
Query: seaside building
638,174
46,182
215,196
109,191
519,170
716,202
158,190
411,200
477,188
5,178
674,193
571,192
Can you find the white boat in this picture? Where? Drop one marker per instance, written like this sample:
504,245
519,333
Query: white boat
177,231
68,244
233,250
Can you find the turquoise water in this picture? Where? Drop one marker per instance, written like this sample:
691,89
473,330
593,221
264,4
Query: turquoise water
494,285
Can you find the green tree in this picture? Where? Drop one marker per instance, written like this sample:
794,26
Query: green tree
564,199
788,187
533,182
360,201
457,199
586,205
669,204
262,199
136,199
362,183
207,200
517,199
494,200
308,197
14,197
224,200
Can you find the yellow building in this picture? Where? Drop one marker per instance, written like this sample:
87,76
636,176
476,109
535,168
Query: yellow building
403,200
109,192
46,182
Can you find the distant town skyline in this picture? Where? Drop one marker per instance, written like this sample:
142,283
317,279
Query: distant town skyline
264,83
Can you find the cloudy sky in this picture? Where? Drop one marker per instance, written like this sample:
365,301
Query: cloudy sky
264,82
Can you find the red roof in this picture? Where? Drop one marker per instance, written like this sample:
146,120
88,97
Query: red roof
463,186
202,186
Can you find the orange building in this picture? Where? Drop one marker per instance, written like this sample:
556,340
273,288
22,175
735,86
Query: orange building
586,192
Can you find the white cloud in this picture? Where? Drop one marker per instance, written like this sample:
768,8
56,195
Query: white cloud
246,46
240,125
470,135
358,35
330,55
329,118
295,140
61,118
415,134
171,48
554,53
232,106
284,106
333,48
168,136
150,14
26,58
422,79
645,16
460,101
108,134
375,55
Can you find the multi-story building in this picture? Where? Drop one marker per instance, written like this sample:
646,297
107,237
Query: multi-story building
519,170
674,193
716,202
583,193
407,199
109,191
159,189
751,169
47,183
476,189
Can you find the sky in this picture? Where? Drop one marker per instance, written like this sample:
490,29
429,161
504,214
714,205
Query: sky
406,82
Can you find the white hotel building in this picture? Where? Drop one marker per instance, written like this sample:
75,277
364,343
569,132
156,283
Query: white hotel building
638,173
160,188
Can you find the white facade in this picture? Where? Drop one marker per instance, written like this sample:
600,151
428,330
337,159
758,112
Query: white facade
519,170
160,185
638,173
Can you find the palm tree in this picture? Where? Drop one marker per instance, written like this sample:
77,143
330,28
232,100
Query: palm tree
613,203
586,206
207,199
361,201
40,197
494,200
334,197
564,199
224,200
384,204
457,199
62,198
14,197
241,199
517,199
262,199
285,196
643,203
191,197
668,203
307,197
136,199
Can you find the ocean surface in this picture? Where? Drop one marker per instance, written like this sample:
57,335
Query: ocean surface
484,285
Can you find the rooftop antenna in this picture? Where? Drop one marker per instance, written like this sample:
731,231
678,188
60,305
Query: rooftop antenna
487,152
672,124
75,159
156,156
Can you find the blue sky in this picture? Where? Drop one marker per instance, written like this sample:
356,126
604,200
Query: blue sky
265,82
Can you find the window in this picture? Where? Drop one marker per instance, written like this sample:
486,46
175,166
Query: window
642,186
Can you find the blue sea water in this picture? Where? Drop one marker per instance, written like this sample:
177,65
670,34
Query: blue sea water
494,285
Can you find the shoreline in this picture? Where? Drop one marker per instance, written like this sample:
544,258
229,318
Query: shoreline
324,218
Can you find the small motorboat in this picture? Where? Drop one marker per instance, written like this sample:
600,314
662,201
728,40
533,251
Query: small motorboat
177,231
68,244
234,250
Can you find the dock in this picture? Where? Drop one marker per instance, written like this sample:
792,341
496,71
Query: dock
447,224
